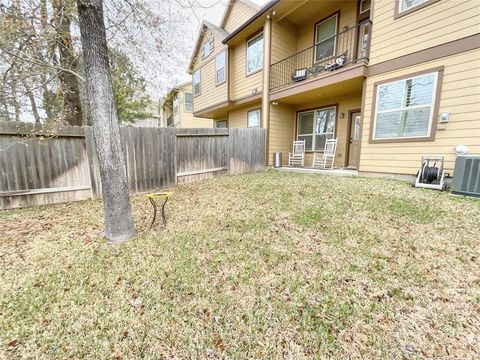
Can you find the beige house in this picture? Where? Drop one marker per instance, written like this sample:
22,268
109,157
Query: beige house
390,79
177,109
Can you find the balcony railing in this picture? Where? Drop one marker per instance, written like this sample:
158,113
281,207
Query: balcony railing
348,47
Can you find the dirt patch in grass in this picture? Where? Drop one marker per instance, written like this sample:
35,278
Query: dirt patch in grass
269,265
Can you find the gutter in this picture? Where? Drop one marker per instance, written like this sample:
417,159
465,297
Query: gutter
261,12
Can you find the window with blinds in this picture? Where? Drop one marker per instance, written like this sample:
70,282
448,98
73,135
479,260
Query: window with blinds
404,108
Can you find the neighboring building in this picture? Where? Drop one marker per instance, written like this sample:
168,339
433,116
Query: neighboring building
391,79
153,119
177,109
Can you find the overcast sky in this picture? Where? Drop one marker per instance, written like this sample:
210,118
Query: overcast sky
210,10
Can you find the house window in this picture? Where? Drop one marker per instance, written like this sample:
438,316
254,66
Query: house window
188,102
220,68
221,124
253,118
175,105
207,48
255,54
315,127
196,83
404,108
325,39
404,5
365,5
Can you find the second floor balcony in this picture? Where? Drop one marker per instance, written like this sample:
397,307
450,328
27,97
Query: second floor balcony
351,46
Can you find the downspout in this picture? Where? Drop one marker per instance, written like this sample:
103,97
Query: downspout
267,40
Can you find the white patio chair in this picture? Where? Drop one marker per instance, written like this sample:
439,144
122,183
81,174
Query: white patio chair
297,157
326,159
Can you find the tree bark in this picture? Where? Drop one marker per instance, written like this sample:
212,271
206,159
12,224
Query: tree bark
33,103
71,93
106,130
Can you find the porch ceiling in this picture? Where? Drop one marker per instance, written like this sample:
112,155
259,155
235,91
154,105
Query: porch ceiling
299,12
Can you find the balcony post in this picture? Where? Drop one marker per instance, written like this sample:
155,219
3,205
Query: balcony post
267,39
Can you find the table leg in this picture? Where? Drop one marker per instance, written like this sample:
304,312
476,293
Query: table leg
163,212
154,212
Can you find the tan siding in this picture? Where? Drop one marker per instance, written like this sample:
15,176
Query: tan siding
210,94
282,125
241,84
238,118
348,11
283,40
187,120
460,97
239,13
438,23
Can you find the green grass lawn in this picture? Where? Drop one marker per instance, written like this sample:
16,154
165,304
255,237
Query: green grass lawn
267,265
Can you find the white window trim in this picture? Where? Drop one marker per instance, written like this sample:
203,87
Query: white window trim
259,118
185,102
312,149
400,11
203,48
335,41
431,106
224,52
246,63
199,83
360,7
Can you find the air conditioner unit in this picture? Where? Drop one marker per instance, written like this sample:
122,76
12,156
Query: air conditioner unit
466,176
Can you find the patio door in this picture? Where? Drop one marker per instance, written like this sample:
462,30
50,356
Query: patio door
355,136
315,127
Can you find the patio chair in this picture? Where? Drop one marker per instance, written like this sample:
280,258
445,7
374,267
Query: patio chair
297,157
326,159
340,61
299,74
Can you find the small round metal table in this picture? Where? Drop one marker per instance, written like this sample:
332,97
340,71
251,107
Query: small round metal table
159,196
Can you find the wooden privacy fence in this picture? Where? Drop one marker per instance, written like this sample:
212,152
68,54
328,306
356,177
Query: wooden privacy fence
43,166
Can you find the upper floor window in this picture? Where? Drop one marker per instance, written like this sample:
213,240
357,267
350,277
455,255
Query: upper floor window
220,68
255,54
207,48
403,7
405,108
196,83
253,118
365,5
325,40
188,102
175,104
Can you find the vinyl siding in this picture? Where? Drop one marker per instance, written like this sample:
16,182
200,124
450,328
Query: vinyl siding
348,14
186,119
460,97
435,24
238,118
242,85
284,41
282,127
210,94
239,13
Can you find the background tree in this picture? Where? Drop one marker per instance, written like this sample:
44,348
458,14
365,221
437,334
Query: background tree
106,129
128,89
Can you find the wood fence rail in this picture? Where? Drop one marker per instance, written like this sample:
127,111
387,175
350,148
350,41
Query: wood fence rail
40,165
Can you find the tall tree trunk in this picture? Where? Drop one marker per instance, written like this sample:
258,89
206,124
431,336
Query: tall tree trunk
106,130
62,12
33,103
16,105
